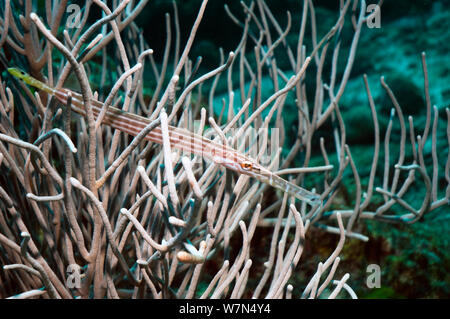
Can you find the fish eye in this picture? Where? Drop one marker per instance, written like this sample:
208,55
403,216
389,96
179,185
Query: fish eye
246,165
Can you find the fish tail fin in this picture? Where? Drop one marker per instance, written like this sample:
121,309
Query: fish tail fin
28,79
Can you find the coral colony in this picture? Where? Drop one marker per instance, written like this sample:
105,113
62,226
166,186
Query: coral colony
124,175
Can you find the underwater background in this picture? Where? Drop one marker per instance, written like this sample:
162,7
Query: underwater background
414,259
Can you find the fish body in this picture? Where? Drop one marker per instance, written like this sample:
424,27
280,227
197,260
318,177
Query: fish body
179,138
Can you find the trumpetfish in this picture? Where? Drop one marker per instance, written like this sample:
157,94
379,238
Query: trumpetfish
181,139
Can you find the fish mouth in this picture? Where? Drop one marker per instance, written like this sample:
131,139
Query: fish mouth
290,188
